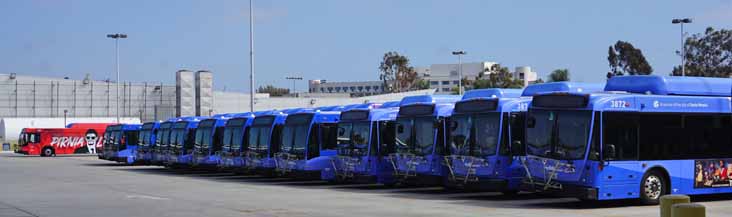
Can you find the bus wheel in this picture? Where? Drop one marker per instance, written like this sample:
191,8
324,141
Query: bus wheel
653,186
47,152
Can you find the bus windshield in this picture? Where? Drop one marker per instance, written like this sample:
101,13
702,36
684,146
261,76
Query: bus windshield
295,138
145,135
258,138
558,134
474,135
161,138
353,138
233,134
204,139
415,135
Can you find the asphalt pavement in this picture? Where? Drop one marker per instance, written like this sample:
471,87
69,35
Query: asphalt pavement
86,186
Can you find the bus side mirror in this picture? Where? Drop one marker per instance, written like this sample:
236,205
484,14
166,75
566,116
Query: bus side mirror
341,131
531,122
453,125
609,152
517,148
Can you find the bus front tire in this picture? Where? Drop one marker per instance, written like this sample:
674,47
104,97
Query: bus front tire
47,152
652,187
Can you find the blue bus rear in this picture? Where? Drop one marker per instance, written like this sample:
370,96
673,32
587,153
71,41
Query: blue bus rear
148,132
482,131
646,137
307,142
208,142
181,141
360,156
419,145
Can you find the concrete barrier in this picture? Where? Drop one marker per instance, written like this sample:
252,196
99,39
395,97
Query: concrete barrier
688,210
667,201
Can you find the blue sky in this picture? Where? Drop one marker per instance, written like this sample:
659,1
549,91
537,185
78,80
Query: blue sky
339,40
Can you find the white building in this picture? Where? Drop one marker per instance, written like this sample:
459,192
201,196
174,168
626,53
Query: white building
355,88
446,77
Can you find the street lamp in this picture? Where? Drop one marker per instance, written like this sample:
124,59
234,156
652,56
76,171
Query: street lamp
683,42
460,70
116,38
294,79
251,56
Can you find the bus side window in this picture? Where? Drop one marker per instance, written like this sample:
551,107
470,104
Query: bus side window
387,138
190,139
218,139
621,131
329,136
595,145
276,140
504,148
313,146
518,122
374,139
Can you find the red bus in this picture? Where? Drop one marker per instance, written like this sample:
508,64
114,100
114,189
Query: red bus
77,139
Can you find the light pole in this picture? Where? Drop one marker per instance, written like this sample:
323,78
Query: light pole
683,43
116,38
460,70
251,56
294,79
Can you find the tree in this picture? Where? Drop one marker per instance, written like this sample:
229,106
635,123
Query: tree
396,73
708,54
497,76
559,75
273,91
623,59
421,84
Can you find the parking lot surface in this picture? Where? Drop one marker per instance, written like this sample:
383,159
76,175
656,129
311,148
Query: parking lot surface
86,186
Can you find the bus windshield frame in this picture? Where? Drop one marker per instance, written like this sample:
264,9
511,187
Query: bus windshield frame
558,134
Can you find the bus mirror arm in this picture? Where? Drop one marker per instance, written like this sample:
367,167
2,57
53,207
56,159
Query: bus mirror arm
516,148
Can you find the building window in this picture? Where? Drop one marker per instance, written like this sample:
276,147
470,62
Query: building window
445,89
368,88
434,83
322,89
445,82
455,82
453,73
353,89
376,88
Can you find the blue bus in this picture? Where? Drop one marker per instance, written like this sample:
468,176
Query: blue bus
419,145
181,141
233,138
363,135
208,142
482,131
124,138
644,137
307,141
267,142
146,142
160,150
